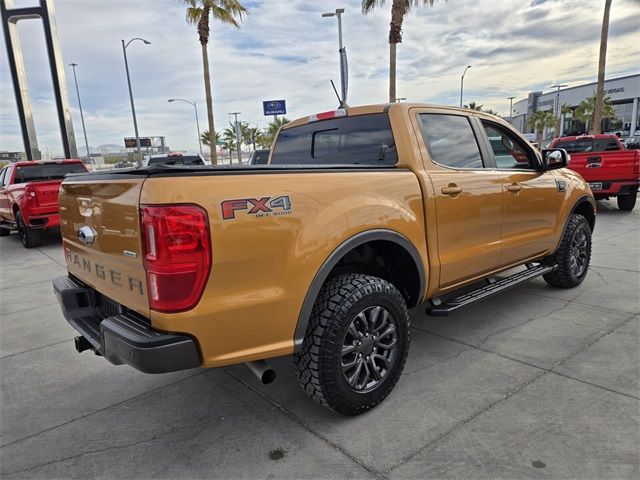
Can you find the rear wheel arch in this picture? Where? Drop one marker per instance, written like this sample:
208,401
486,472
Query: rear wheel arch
388,249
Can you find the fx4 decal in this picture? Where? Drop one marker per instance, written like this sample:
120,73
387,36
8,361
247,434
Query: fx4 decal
260,207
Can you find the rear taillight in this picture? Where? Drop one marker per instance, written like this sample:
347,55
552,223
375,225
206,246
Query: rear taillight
32,198
177,255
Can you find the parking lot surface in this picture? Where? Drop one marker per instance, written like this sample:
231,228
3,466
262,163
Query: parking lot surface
534,383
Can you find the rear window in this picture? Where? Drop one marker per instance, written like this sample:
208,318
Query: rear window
177,160
46,171
576,146
357,140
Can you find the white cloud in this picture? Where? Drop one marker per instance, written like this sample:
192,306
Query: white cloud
285,49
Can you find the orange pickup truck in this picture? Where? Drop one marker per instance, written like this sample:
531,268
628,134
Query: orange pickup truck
360,214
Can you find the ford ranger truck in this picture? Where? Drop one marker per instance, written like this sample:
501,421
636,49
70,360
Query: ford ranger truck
603,161
361,214
29,197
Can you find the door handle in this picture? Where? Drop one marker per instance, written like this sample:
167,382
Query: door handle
514,188
452,189
594,162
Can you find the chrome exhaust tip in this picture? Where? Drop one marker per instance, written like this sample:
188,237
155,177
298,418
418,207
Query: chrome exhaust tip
262,370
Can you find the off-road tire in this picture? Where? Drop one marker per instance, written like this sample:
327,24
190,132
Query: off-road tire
319,362
4,232
29,237
564,276
626,202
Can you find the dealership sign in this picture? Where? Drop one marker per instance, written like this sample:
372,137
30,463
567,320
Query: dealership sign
274,107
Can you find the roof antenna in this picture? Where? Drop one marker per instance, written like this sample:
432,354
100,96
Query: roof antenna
342,103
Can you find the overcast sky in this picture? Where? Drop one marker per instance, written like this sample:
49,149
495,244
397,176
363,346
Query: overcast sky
285,49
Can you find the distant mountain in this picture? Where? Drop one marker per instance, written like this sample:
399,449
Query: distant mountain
114,148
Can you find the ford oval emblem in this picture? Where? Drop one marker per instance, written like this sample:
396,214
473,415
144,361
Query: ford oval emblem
87,235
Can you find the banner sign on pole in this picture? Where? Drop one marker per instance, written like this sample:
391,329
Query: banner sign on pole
344,73
274,107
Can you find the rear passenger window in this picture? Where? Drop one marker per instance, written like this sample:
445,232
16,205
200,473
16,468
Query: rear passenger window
605,144
356,140
450,140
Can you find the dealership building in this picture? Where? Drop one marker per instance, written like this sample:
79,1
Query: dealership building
624,93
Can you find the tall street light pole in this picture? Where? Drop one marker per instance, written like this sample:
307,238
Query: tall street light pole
133,108
237,135
84,130
510,107
343,74
462,83
195,107
558,87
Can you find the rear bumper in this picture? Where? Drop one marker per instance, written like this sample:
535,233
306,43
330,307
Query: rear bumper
614,187
122,336
51,220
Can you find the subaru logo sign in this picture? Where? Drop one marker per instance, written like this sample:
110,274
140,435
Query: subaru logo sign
87,235
274,107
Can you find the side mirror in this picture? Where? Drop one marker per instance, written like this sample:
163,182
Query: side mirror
553,158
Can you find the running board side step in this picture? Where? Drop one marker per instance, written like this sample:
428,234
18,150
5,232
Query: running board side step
439,308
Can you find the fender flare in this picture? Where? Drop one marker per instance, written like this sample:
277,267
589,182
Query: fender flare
580,201
325,269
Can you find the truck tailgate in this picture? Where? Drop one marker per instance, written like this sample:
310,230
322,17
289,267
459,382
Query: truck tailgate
111,262
45,193
613,165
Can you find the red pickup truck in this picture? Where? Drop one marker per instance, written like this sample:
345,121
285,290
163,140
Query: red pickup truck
603,161
29,197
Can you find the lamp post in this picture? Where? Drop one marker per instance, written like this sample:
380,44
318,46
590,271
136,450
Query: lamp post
237,125
133,108
84,130
462,83
343,80
510,108
558,87
195,107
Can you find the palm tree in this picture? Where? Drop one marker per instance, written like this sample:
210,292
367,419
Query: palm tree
473,106
585,111
198,13
206,139
273,127
604,34
399,8
479,108
540,120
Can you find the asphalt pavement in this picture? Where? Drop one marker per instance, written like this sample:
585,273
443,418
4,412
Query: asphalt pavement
534,383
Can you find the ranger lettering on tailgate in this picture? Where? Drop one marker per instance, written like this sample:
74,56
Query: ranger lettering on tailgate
104,273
